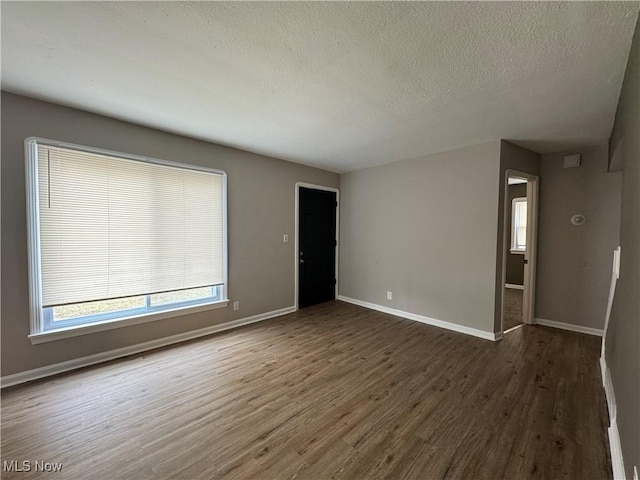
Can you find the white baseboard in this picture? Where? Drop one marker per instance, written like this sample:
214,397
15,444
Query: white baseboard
56,368
568,326
616,452
514,286
608,389
422,319
617,461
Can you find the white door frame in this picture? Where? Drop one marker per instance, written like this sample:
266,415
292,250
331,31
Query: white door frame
531,255
296,256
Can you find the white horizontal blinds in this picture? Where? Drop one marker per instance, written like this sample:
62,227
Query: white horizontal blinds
74,227
111,227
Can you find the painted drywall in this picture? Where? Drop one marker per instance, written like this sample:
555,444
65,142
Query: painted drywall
515,261
424,229
623,337
512,157
574,262
261,208
342,85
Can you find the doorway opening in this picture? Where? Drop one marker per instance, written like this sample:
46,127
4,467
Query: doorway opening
316,249
519,256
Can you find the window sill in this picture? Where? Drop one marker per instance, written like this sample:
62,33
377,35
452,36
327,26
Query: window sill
518,252
67,332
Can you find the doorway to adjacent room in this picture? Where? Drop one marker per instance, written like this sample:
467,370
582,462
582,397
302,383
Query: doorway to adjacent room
520,250
316,244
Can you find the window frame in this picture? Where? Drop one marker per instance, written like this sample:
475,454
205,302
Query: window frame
101,322
49,323
514,226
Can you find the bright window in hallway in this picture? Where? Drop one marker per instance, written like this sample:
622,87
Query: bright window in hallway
519,225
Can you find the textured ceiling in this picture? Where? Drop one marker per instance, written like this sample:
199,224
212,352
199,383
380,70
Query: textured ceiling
341,86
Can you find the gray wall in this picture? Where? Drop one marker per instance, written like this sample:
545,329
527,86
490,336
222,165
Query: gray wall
574,262
623,338
515,261
261,200
424,229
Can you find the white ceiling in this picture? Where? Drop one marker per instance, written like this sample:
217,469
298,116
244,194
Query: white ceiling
341,86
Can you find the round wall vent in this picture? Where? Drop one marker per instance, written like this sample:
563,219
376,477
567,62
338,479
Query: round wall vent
578,219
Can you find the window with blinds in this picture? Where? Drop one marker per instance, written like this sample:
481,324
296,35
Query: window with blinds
519,225
115,235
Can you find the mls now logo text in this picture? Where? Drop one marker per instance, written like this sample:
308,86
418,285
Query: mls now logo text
28,466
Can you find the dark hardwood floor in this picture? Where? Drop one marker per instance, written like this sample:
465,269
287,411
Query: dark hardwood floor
333,391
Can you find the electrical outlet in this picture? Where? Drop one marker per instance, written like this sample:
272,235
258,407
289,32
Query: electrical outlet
389,295
236,305
285,238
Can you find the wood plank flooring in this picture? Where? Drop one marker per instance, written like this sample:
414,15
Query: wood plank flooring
333,391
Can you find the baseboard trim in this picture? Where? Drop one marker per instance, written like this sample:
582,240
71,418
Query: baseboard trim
568,326
608,389
514,286
617,461
46,371
422,319
616,452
